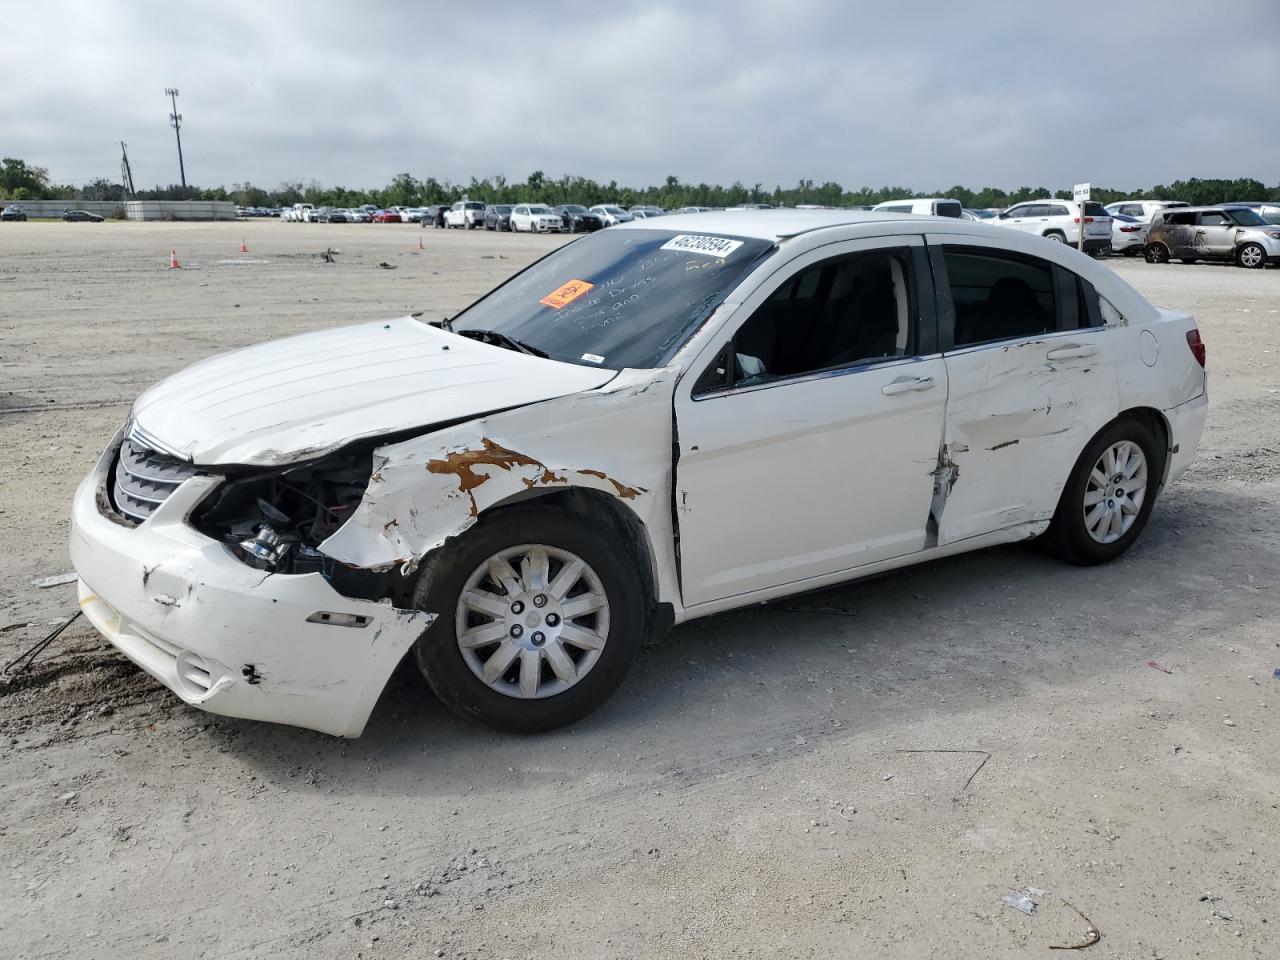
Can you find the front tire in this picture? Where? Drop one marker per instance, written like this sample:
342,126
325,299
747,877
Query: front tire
539,618
1109,495
1251,256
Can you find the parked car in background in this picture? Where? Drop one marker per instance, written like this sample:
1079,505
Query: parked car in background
298,213
928,206
360,215
641,213
497,216
80,216
1128,235
1060,220
333,215
980,215
1142,210
388,216
13,212
465,214
1267,209
1214,233
692,210
535,218
995,390
611,214
752,206
648,210
578,219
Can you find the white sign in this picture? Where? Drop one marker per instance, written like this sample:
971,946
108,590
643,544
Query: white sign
1080,192
706,246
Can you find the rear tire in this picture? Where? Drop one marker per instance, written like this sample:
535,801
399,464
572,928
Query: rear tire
457,677
1100,514
1251,256
1156,253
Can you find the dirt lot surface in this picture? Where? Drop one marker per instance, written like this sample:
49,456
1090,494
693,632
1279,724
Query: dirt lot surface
752,791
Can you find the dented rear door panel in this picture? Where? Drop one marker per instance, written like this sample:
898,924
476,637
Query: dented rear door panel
1019,413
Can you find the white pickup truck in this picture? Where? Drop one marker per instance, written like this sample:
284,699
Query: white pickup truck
465,213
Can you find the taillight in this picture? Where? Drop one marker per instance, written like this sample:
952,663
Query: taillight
1129,229
1196,345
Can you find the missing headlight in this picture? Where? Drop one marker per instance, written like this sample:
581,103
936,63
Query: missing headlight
277,521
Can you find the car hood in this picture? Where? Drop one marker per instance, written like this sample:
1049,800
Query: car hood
294,399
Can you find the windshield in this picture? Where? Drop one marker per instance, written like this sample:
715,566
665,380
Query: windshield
1246,217
538,208
618,298
614,210
573,208
503,208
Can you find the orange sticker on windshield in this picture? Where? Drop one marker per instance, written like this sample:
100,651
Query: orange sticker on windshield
564,295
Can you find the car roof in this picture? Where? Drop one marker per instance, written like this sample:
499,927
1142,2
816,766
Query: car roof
780,223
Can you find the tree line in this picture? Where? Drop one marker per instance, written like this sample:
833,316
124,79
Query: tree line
22,181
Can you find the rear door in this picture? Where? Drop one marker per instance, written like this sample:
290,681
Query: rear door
1031,380
1179,234
808,435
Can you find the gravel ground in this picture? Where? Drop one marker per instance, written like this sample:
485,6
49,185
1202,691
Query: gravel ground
755,790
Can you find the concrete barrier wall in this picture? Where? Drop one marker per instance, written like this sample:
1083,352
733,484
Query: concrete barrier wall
133,209
180,210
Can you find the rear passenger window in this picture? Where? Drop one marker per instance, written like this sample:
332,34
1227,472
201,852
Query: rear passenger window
1181,219
999,296
1213,219
1057,210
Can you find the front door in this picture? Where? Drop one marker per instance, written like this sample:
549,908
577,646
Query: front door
1216,234
1031,377
809,433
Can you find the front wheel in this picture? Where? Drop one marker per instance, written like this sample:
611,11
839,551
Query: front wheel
539,618
1251,255
1108,496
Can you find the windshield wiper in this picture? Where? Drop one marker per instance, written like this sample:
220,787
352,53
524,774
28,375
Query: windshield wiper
501,340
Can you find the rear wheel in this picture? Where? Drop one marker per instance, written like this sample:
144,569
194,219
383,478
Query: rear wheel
539,618
1251,255
1108,496
1157,253
1056,237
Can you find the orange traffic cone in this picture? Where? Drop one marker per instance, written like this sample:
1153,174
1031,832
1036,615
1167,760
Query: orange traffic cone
243,248
173,260
420,246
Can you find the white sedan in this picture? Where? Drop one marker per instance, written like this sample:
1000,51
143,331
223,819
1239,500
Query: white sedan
611,215
535,218
659,422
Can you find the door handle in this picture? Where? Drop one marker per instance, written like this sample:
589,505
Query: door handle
906,385
1072,351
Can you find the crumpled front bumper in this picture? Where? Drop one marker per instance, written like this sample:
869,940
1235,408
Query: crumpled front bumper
224,636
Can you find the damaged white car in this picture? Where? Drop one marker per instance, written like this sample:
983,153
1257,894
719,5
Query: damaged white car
654,423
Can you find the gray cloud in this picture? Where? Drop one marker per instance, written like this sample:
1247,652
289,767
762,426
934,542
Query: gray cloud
923,94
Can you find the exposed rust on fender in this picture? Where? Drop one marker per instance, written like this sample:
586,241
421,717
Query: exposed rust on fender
625,492
462,464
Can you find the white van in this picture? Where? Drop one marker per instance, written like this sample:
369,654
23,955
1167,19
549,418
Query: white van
929,207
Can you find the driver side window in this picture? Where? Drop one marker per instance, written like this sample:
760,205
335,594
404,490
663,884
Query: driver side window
851,310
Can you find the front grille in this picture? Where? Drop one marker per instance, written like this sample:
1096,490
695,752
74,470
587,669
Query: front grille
144,479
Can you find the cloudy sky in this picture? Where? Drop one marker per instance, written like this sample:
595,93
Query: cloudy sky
921,93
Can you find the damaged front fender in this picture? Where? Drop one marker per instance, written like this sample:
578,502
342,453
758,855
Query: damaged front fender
616,440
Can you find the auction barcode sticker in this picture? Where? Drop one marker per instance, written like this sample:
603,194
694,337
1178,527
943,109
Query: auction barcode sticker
707,246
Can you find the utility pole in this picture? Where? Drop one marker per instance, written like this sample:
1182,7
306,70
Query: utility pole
175,120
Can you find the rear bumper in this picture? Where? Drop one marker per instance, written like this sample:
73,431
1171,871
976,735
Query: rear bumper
1186,423
223,636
